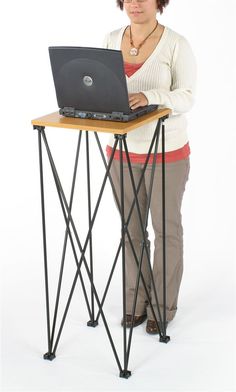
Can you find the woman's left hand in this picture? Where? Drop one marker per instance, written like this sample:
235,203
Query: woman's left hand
136,100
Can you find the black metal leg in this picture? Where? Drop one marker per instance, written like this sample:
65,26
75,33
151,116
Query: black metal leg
49,354
125,373
67,222
164,338
143,226
92,322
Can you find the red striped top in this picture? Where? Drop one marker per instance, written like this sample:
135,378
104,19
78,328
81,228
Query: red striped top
170,156
130,69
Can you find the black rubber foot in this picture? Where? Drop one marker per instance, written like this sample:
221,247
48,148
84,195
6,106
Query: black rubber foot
164,339
92,323
125,374
49,356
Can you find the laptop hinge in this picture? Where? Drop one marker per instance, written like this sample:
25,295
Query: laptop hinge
118,115
67,111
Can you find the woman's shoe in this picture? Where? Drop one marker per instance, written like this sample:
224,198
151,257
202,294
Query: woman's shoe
152,327
137,320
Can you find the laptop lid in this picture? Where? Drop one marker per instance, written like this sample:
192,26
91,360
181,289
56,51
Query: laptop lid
89,79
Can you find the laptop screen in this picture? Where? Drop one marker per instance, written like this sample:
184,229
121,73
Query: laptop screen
89,79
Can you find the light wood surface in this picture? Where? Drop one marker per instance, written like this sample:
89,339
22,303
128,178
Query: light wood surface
56,120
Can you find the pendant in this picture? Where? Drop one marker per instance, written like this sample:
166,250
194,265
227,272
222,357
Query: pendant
133,52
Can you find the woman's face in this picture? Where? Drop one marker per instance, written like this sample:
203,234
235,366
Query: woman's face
141,12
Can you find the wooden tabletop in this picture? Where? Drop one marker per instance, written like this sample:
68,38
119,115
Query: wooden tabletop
56,120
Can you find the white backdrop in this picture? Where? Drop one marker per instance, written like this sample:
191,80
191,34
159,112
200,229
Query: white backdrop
200,355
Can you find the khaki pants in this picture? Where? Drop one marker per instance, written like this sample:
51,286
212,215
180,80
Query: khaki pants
176,178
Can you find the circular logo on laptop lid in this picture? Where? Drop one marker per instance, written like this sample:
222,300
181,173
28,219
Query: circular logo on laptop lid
88,81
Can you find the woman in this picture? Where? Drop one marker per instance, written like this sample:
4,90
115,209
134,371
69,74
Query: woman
160,69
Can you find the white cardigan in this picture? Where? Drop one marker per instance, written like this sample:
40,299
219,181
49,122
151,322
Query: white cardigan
167,78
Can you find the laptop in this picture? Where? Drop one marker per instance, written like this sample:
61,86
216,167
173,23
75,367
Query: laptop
90,83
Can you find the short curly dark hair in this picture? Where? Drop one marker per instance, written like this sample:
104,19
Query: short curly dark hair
160,4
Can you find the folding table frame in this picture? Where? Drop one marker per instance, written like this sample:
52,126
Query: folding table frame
120,131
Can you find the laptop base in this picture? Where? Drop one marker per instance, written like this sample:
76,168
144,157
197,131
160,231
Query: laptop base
114,116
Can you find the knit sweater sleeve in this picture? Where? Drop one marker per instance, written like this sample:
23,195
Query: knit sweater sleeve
179,98
106,41
109,42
